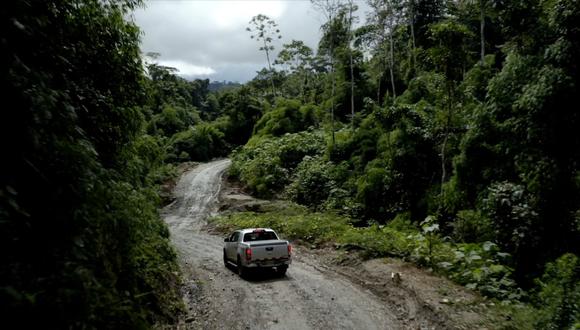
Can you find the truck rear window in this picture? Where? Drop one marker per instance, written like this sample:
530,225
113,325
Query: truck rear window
259,236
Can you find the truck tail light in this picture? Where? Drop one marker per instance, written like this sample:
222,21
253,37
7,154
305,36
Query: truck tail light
289,249
248,254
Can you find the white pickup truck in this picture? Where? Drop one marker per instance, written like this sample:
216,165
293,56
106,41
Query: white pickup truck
257,248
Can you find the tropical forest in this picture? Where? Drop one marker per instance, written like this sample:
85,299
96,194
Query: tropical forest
443,134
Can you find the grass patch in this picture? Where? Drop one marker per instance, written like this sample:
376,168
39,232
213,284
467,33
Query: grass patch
294,223
477,266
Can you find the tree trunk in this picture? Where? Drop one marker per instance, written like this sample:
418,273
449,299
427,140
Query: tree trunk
333,82
443,159
412,23
392,66
351,92
391,56
332,99
482,30
351,69
379,90
446,137
303,89
270,68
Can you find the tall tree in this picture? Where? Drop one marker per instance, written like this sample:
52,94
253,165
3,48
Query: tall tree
351,8
482,29
330,9
427,12
265,31
449,56
411,18
384,17
391,13
297,58
482,5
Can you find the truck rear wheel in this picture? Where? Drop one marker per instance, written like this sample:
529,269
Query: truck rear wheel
281,271
241,269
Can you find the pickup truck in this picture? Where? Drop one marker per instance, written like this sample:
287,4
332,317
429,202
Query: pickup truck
257,248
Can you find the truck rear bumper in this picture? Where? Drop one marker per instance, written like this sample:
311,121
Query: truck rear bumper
268,263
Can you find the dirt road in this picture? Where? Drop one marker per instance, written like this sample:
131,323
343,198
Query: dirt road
309,297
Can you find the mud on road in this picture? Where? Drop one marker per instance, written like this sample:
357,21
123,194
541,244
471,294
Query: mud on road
311,296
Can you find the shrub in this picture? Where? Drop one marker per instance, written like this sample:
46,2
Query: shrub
266,165
559,294
402,222
483,267
200,143
378,193
173,119
289,116
471,226
514,220
312,182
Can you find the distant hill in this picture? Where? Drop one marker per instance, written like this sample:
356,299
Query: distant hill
215,86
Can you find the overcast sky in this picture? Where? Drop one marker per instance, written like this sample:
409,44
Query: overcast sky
208,38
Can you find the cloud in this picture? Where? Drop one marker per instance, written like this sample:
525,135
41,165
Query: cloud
188,69
233,14
207,39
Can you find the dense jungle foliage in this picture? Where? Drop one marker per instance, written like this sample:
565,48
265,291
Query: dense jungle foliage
82,243
87,137
456,116
441,132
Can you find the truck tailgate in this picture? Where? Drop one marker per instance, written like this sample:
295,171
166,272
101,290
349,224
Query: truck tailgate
267,250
